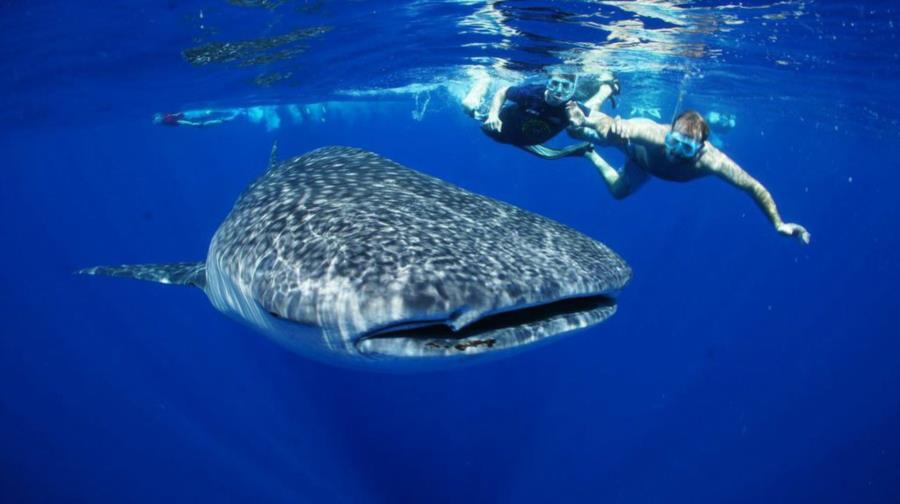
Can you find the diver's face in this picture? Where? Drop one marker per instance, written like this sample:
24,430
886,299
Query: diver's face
559,90
681,147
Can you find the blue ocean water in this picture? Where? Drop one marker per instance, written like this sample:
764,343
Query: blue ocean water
741,366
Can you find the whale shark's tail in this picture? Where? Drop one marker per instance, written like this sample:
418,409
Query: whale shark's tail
183,273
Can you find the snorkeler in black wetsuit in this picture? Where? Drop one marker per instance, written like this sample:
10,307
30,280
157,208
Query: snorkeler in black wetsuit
529,115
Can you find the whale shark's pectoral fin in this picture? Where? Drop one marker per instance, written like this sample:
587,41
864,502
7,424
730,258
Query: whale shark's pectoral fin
183,273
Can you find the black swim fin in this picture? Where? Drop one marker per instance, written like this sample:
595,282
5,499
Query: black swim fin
549,153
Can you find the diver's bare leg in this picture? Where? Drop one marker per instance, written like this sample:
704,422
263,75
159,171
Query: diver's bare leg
620,184
609,86
595,102
610,174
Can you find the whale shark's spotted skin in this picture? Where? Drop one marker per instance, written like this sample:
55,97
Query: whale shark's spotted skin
355,245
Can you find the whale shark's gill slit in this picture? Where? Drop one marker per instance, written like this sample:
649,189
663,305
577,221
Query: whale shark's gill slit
431,331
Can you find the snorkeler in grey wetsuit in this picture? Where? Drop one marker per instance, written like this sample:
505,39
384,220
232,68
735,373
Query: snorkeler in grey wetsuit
678,153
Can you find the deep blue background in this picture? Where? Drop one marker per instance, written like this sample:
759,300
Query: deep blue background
741,366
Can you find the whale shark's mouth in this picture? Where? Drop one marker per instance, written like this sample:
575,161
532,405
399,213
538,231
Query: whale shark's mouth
494,331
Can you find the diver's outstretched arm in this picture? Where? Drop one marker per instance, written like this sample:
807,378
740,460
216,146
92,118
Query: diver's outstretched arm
718,163
597,121
607,130
594,128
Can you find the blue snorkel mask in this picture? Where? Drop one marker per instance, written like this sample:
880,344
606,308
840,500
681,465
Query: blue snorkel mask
561,89
682,146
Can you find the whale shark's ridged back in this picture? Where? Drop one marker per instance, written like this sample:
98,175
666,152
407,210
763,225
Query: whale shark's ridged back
348,240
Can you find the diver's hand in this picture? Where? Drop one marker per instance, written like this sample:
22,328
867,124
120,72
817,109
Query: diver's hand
795,230
576,116
616,127
493,123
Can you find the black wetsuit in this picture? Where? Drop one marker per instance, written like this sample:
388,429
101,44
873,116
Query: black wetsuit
528,119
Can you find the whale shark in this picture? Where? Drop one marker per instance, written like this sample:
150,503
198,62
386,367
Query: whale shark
350,258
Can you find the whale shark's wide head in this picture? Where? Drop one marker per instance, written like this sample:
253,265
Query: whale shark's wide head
349,257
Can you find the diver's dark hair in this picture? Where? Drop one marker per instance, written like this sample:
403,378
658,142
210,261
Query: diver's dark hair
692,124
564,75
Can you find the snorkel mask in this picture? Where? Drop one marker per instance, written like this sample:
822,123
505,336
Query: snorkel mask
682,146
561,89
